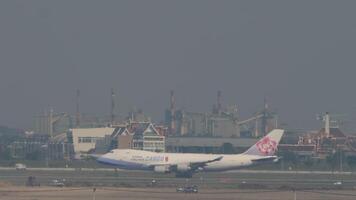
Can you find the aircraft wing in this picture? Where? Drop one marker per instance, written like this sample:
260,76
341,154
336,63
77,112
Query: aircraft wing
196,165
189,166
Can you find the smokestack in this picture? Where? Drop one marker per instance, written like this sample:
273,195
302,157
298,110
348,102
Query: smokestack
327,124
112,114
265,103
77,123
50,119
172,112
218,102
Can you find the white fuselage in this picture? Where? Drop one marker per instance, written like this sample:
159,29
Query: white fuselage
144,160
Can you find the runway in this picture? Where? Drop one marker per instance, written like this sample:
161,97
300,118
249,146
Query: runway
20,193
246,179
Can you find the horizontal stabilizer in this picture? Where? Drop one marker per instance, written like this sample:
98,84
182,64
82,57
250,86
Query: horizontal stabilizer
266,159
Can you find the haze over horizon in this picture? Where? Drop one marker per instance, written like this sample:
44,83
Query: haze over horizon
300,54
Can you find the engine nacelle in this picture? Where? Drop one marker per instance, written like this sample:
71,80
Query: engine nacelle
183,167
162,169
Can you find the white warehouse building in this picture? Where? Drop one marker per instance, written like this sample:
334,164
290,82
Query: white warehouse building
84,139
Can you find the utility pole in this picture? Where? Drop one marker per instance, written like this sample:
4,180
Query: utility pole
77,122
94,190
340,155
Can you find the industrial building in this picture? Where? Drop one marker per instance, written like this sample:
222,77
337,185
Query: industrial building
208,144
51,123
42,151
221,122
84,139
40,147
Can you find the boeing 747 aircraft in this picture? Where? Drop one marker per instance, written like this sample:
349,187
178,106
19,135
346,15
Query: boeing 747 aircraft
186,164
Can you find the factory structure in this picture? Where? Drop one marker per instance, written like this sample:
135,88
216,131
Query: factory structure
221,122
219,131
51,123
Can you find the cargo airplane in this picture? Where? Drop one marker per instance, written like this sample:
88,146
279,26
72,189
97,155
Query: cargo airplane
186,164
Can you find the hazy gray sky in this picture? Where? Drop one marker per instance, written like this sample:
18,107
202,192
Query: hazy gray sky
300,54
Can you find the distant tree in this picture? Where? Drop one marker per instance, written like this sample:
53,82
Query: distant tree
8,136
35,155
309,162
5,154
289,157
331,160
351,162
10,131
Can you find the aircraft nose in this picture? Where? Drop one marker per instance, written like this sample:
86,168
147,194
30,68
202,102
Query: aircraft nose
102,159
99,159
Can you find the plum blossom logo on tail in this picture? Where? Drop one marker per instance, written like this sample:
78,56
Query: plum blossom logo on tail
267,146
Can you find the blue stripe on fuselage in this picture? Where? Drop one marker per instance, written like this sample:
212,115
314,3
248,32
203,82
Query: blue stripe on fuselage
122,164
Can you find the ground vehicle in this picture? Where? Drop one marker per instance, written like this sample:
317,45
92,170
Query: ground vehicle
20,167
188,189
338,183
153,182
57,183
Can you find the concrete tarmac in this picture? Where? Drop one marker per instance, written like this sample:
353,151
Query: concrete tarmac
236,179
21,193
120,184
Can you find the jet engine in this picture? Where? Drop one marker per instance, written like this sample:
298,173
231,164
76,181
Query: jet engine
183,167
162,169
